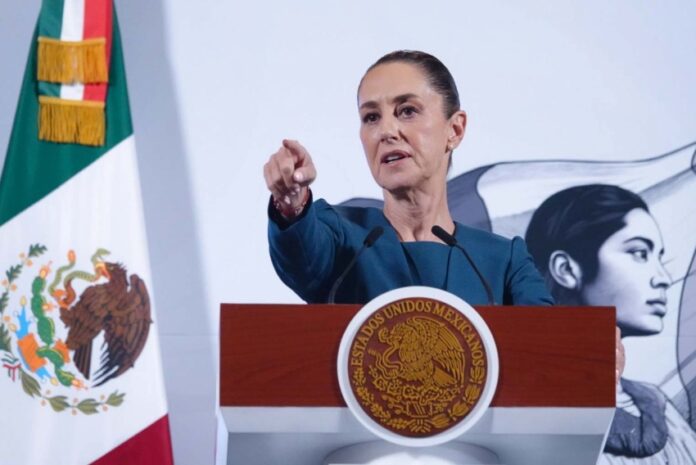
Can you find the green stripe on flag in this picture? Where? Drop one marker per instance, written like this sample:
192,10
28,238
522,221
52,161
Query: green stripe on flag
50,24
51,18
34,168
49,88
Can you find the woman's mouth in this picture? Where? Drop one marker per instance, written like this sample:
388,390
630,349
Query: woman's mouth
659,306
393,157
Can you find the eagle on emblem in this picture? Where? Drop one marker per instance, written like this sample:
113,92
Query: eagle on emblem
427,352
121,308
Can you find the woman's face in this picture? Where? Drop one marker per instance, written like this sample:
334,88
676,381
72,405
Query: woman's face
631,276
403,129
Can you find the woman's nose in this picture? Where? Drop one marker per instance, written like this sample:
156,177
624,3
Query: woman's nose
389,130
661,277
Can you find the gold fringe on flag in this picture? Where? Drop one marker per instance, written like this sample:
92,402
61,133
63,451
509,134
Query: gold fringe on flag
71,121
70,62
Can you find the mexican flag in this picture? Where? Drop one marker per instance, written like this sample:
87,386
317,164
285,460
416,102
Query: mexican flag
81,378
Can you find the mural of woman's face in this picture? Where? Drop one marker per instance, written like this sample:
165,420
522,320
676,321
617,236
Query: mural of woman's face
631,276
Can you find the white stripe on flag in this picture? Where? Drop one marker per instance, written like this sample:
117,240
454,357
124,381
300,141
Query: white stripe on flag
100,207
73,20
73,29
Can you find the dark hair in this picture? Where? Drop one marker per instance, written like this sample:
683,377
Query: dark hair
437,73
578,221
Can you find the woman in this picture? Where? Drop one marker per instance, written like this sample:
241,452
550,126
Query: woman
599,245
410,124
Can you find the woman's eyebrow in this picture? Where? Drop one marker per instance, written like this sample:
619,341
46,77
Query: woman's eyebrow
648,242
395,101
403,98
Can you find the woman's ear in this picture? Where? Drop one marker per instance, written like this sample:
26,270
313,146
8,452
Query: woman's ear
457,128
565,270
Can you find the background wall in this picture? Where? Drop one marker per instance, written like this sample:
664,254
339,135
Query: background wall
216,85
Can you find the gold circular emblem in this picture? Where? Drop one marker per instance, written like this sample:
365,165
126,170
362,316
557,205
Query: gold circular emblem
417,366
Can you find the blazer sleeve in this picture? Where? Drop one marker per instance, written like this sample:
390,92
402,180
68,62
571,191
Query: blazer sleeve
304,252
524,285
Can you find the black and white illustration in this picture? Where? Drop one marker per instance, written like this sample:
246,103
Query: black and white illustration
620,234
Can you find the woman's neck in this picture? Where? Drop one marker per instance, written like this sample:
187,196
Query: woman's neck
414,213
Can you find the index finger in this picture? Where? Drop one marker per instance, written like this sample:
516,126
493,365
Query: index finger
296,149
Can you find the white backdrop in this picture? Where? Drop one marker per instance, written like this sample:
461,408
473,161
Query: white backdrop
216,85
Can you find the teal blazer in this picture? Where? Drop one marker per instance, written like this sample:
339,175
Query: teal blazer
310,253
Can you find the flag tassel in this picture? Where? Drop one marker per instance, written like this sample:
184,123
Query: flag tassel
68,62
71,121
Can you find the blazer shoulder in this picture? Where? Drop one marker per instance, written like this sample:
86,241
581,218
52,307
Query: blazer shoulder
479,237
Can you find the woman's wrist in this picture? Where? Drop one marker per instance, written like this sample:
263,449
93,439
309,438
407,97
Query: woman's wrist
290,210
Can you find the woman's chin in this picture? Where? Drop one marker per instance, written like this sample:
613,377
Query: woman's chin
648,327
396,185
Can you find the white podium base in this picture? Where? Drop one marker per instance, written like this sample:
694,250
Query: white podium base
384,453
517,435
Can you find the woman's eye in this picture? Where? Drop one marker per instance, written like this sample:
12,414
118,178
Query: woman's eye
407,111
370,118
640,255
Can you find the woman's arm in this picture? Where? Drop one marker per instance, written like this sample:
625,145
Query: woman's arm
304,252
303,236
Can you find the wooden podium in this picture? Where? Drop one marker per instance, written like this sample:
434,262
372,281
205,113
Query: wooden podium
281,402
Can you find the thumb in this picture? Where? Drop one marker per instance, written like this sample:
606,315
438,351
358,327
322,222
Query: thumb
305,175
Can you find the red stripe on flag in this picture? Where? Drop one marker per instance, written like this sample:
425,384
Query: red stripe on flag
153,445
98,23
